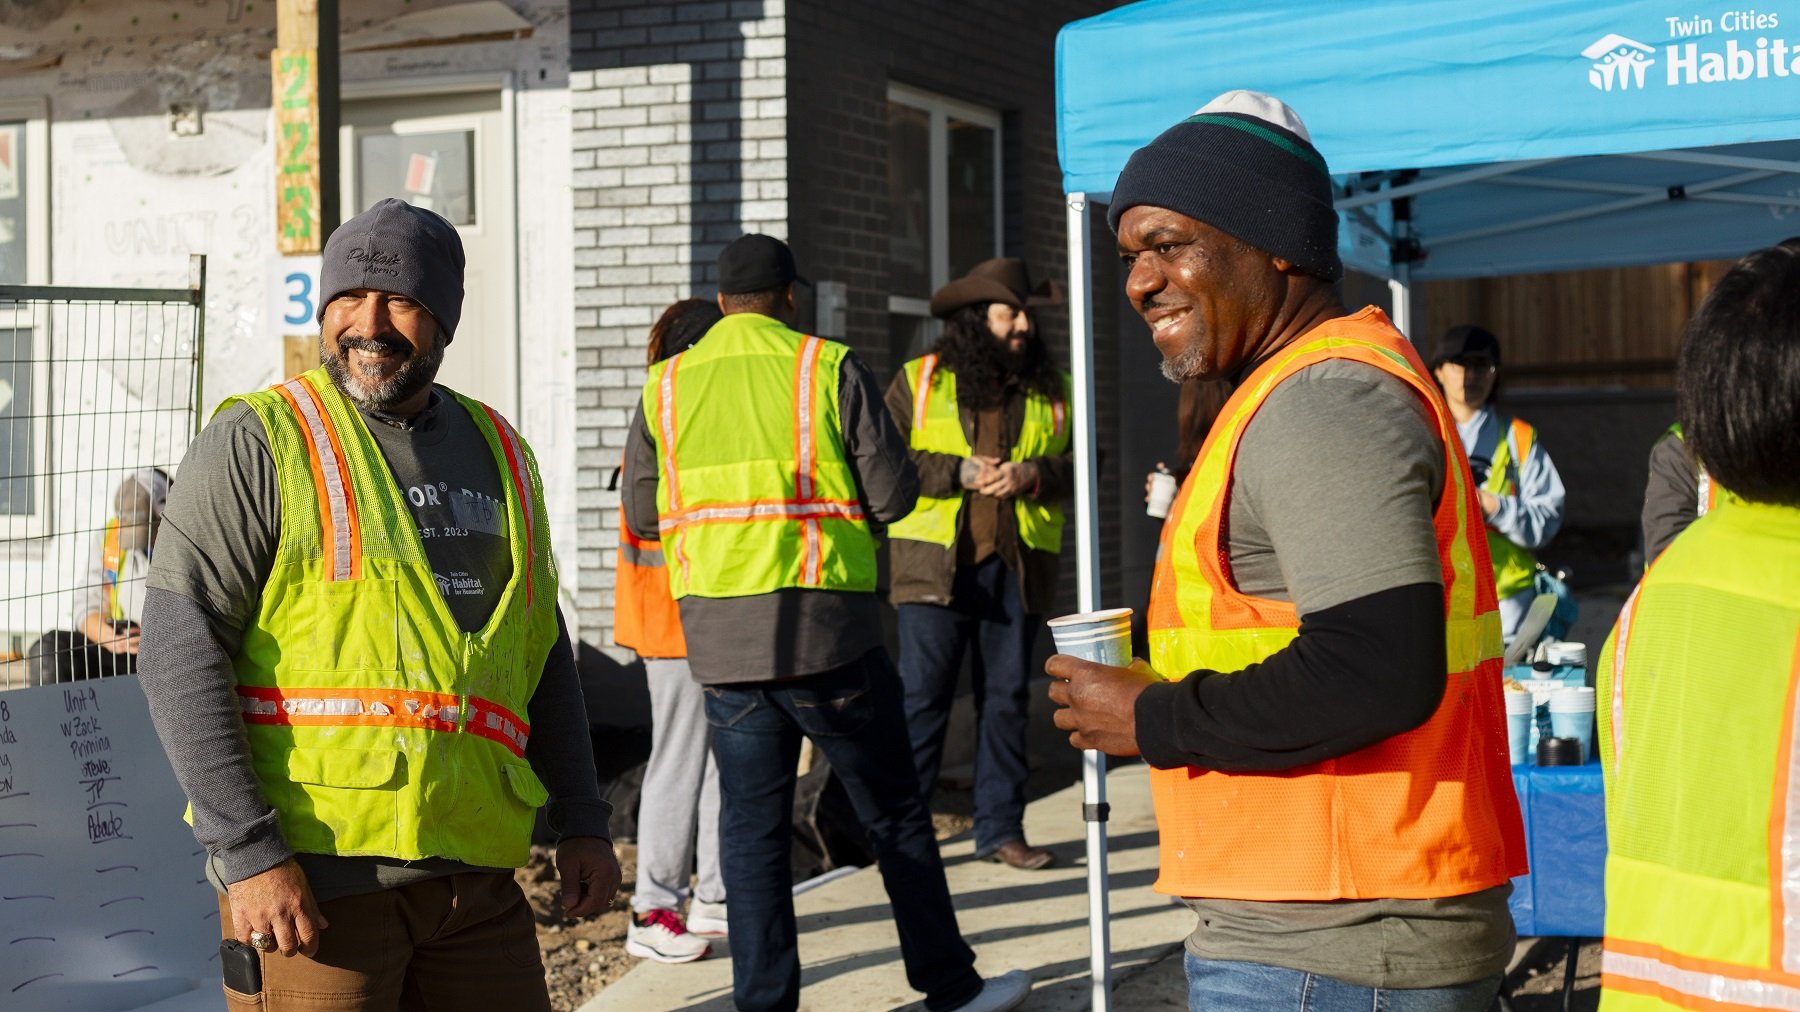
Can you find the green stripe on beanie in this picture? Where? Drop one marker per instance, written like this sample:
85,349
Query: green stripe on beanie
1253,179
1299,148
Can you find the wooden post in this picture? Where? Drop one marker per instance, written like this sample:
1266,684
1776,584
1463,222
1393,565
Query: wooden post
304,74
303,68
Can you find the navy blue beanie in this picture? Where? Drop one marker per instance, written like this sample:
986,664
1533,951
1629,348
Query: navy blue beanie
396,247
1242,173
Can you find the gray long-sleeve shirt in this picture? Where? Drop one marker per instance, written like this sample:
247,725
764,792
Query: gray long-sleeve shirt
214,553
794,632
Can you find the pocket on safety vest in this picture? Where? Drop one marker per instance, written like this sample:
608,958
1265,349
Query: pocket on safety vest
523,781
348,625
359,768
328,801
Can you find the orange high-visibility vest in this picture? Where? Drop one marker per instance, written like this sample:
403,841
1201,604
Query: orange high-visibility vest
645,615
1427,813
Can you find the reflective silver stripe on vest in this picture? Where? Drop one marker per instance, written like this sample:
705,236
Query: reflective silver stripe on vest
515,462
337,495
803,417
1790,833
638,555
922,396
766,511
666,413
521,479
810,570
343,706
1713,987
1703,486
1620,642
496,722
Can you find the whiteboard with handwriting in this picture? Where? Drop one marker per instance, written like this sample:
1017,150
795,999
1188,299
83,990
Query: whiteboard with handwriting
103,899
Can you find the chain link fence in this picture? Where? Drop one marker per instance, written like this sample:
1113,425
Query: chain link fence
99,397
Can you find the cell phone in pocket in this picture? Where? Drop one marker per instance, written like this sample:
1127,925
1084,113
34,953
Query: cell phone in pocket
241,966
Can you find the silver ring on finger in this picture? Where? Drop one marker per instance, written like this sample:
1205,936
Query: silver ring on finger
262,941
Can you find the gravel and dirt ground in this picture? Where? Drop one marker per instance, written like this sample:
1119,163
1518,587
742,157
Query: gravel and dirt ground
581,958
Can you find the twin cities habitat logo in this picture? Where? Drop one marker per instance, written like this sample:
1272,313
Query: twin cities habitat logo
1621,63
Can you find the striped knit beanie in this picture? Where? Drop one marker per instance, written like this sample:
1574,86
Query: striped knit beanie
1245,165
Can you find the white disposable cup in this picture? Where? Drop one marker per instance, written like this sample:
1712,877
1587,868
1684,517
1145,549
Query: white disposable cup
1103,637
1163,487
1572,716
1521,710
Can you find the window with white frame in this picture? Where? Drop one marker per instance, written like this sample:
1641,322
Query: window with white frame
24,259
944,201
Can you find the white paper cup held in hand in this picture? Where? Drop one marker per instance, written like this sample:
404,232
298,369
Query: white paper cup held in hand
1521,710
1572,716
1163,487
1103,637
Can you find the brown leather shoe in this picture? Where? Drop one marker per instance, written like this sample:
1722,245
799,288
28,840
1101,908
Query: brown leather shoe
1021,855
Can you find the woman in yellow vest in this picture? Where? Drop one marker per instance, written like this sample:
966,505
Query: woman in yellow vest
1700,684
975,563
678,819
1521,493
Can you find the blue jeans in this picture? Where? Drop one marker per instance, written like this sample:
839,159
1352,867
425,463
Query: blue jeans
852,714
985,611
1220,985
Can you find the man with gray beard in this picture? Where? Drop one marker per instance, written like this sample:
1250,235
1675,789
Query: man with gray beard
356,664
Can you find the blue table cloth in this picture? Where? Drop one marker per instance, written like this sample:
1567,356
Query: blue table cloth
1565,837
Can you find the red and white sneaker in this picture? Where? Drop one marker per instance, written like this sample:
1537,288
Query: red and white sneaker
661,935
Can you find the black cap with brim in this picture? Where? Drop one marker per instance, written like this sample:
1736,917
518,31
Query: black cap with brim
1466,342
756,263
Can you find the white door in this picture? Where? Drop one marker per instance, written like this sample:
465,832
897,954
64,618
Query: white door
452,154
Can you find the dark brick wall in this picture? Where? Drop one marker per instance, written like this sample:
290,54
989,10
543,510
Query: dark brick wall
1000,55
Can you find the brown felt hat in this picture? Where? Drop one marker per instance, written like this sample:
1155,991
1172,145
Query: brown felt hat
1002,279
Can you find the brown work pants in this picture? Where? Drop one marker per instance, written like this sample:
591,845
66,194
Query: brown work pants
460,942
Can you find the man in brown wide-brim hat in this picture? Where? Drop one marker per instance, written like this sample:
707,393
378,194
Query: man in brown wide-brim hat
987,421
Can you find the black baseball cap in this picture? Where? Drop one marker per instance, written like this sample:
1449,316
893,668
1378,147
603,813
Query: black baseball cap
756,263
1467,342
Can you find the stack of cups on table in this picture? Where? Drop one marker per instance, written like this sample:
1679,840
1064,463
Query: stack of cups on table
1572,716
1103,637
1547,720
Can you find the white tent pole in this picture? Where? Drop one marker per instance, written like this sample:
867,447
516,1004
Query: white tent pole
1400,292
1087,561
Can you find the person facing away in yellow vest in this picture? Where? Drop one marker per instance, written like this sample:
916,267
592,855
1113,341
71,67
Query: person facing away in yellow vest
1321,708
1699,684
354,658
974,565
761,456
1521,493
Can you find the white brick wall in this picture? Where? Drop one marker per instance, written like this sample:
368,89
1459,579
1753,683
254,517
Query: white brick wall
679,145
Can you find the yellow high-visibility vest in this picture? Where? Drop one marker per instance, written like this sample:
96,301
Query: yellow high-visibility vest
376,725
1515,568
1699,691
755,493
937,428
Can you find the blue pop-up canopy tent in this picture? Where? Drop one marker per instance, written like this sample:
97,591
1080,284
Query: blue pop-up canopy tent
1466,140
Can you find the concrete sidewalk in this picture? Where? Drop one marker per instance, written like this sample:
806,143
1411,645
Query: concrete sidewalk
1032,921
